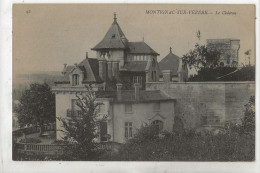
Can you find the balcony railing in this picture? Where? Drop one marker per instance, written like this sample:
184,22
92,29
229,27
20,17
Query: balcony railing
74,113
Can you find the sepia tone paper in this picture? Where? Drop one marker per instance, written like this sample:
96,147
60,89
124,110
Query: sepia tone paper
53,42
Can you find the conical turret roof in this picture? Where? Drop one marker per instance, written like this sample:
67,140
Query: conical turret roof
114,38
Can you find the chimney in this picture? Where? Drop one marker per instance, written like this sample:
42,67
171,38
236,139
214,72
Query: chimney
167,75
119,91
137,90
64,69
86,55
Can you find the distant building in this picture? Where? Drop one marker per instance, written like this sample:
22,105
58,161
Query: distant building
228,49
172,68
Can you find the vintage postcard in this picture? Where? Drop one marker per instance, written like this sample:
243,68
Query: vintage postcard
133,82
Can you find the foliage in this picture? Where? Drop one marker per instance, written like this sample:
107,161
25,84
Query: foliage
192,146
246,73
37,105
80,131
249,119
30,140
178,126
200,57
145,133
211,74
235,144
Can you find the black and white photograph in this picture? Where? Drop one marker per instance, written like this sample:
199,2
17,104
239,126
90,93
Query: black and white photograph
133,83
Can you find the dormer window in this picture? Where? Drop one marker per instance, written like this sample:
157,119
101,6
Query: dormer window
75,79
114,36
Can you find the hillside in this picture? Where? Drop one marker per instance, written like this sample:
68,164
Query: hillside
23,81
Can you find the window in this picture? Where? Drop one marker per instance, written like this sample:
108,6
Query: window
128,108
153,63
156,106
128,130
135,58
153,75
103,131
75,79
137,79
158,125
114,36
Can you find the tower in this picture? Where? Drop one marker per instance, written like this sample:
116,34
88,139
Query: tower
111,51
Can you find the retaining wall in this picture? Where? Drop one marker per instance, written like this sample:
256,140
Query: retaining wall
195,99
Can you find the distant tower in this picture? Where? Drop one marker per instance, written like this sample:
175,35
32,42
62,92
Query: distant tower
228,49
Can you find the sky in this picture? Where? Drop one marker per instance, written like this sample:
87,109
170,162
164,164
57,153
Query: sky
47,36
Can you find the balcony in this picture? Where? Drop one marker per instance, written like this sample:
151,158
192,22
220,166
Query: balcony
74,113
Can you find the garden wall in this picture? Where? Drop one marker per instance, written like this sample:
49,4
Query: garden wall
196,99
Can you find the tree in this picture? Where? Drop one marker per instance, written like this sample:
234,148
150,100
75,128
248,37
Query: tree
246,73
249,119
81,131
37,106
200,57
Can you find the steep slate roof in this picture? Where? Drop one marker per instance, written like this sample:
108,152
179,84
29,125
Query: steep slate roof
140,48
138,66
112,39
88,66
170,62
144,96
93,64
68,69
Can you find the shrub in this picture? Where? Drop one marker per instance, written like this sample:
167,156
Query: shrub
146,145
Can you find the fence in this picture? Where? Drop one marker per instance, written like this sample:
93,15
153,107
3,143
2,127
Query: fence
54,149
48,149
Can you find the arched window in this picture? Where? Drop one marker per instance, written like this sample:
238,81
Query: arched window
75,79
158,125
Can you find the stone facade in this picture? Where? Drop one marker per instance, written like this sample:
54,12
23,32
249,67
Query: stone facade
195,100
228,48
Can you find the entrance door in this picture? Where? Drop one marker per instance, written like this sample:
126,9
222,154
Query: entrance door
103,131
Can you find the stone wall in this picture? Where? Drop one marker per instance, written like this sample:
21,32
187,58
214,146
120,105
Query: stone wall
196,99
